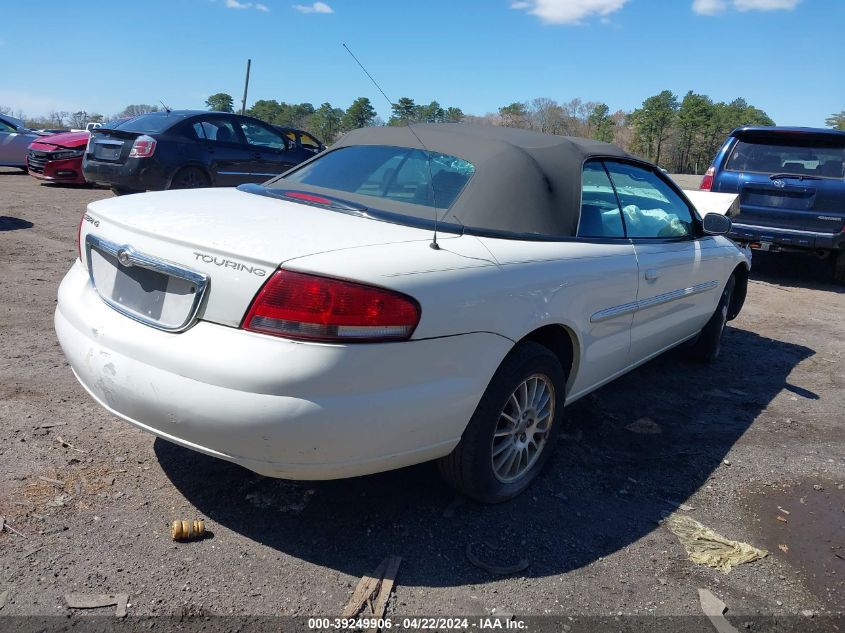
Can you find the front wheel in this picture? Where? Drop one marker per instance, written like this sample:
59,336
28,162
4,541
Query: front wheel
511,435
709,343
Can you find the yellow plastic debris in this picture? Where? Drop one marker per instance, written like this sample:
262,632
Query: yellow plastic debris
707,547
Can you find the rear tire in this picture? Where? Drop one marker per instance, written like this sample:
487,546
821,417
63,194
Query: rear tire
124,191
839,268
189,178
709,343
511,435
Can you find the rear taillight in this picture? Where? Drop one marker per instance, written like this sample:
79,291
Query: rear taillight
707,181
310,307
89,148
143,147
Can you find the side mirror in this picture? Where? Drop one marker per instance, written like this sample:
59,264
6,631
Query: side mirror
717,224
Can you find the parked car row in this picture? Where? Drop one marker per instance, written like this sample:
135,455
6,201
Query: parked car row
182,149
159,150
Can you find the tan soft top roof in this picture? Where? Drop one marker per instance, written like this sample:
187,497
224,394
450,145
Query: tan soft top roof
525,182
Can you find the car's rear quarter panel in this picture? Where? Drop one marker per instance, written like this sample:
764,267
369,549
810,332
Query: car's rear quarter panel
507,287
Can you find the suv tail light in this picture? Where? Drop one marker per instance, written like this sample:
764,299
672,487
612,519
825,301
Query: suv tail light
707,181
143,147
313,308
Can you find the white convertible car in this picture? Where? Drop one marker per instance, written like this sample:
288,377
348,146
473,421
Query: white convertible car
322,325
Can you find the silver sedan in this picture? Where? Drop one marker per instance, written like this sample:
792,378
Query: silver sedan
14,141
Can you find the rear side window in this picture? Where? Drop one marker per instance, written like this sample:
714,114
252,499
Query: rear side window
401,174
651,207
5,127
798,157
261,136
309,142
219,131
600,213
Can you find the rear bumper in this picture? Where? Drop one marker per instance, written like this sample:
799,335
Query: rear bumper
278,407
143,174
787,239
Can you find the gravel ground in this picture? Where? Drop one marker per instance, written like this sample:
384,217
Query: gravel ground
752,446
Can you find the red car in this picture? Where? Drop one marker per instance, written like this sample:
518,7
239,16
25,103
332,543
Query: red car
58,157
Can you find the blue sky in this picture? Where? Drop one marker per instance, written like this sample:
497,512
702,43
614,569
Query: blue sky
784,56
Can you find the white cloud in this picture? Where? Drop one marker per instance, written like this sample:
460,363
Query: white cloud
236,4
568,11
765,5
709,7
712,7
317,7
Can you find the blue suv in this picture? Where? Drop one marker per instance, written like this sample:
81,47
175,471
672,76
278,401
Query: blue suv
791,186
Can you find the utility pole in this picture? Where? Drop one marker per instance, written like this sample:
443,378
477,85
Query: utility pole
246,86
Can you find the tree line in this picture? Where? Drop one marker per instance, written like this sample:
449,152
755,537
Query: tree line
329,122
63,119
682,135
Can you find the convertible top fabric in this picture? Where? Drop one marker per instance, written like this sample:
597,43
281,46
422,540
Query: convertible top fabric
524,182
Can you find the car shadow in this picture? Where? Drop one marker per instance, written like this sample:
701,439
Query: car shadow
801,270
14,224
606,488
67,185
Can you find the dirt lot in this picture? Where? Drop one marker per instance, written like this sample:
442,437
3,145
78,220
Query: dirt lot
754,443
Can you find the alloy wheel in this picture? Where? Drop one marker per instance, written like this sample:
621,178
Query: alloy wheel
523,428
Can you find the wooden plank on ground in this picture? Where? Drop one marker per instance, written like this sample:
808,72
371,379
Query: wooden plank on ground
366,586
386,588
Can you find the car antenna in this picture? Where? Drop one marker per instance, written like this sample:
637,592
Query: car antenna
434,243
166,108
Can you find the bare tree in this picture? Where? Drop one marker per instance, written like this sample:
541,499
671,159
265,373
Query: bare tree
56,118
545,115
78,119
622,132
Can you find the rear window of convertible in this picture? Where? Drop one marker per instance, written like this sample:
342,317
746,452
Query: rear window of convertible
398,174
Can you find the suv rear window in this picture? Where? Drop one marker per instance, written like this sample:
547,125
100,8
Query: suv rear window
795,156
398,174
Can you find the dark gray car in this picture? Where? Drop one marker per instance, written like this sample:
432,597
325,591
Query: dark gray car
14,141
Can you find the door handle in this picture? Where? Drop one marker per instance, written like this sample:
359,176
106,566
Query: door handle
652,274
210,150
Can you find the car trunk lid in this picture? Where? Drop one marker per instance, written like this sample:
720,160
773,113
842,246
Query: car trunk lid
112,146
150,255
